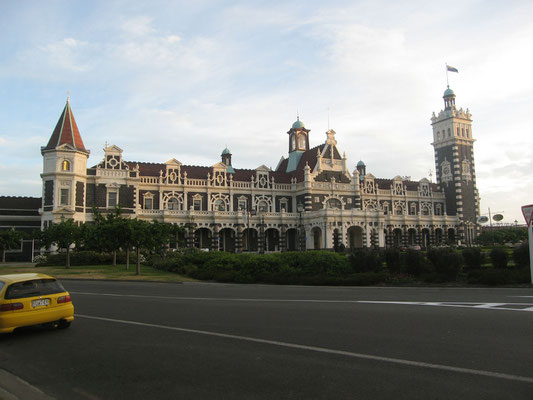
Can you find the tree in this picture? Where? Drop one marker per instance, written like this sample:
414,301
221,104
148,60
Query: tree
63,235
141,237
8,240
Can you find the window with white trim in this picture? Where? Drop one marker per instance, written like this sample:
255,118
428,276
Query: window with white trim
64,194
197,204
283,205
148,203
112,198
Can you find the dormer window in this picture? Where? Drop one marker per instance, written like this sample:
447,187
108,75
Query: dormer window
65,165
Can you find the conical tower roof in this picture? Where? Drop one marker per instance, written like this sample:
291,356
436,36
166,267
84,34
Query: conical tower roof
66,132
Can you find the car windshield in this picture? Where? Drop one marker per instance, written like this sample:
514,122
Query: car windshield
2,283
37,287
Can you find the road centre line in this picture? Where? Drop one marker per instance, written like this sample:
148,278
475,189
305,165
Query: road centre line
218,298
399,361
462,304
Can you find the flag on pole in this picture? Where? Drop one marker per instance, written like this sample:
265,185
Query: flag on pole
451,69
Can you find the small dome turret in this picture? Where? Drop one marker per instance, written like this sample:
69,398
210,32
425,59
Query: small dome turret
448,92
226,151
298,124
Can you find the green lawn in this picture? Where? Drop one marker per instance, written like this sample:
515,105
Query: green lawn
96,272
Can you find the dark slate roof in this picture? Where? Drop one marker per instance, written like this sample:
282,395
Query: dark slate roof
336,154
20,203
386,184
66,132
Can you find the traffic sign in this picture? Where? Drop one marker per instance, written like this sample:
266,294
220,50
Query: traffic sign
527,211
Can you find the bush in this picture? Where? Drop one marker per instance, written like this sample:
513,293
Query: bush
414,262
521,255
494,277
446,262
499,257
364,260
393,261
473,257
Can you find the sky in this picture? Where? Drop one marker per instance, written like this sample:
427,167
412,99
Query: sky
185,79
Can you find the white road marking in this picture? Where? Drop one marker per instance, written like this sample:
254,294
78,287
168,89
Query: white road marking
461,304
323,350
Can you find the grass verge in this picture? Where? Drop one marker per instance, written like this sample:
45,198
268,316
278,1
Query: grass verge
117,273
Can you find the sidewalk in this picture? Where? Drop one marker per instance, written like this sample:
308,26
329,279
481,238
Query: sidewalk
14,388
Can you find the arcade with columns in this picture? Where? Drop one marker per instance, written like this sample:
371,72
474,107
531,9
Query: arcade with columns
312,200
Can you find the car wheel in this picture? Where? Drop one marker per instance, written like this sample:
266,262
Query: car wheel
63,324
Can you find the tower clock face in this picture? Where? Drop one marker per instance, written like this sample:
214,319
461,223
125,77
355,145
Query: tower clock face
446,170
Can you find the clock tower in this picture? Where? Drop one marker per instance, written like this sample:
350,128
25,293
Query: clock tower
454,165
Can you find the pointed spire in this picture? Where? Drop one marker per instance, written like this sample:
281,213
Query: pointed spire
66,131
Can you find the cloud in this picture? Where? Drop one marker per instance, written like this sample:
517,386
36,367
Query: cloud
137,26
66,54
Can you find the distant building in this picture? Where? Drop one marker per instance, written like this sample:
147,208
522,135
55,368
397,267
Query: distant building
312,200
21,214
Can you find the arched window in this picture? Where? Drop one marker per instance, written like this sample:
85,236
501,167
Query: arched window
173,204
262,206
220,205
65,165
334,203
293,142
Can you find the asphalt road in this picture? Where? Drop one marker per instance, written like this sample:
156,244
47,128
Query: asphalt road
214,341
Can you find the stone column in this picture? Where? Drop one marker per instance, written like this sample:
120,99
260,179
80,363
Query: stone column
215,240
283,237
238,238
189,235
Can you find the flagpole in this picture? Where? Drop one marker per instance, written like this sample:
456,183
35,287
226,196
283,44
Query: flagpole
447,82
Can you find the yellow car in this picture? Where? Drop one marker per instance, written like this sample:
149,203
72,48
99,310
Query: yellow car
33,299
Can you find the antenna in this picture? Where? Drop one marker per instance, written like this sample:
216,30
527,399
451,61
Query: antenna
328,118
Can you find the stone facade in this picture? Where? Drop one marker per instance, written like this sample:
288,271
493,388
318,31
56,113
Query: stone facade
312,200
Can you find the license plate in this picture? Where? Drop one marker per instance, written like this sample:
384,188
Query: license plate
40,303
